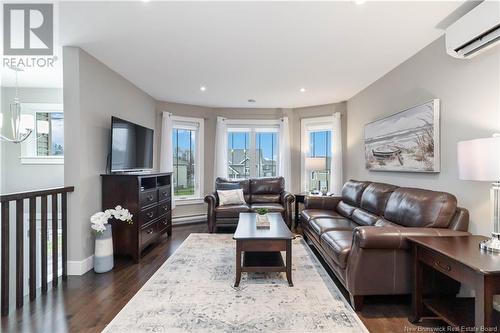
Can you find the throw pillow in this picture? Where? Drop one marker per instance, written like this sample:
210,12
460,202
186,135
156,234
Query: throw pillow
231,197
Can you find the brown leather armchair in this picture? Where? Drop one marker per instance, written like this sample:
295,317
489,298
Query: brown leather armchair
362,233
259,193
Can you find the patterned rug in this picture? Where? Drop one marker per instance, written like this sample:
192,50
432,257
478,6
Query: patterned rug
193,292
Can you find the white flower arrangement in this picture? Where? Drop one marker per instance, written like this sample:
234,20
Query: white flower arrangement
99,220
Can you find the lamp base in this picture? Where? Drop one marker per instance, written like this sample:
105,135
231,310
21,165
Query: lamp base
492,244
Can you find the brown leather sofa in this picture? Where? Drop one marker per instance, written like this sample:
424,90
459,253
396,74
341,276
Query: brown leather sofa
259,193
362,234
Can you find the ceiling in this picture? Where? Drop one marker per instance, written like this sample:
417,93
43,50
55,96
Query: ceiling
266,51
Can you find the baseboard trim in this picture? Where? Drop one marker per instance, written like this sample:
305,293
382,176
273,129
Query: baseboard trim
189,219
80,267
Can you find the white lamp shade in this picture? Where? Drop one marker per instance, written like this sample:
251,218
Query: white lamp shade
315,163
479,159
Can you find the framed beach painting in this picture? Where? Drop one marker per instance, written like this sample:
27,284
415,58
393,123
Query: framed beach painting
407,141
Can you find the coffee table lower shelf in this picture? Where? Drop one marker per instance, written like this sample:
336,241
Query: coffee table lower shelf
263,262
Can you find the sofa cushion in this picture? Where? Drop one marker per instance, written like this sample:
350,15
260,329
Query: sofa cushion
312,213
384,223
412,207
231,210
266,198
362,217
271,207
345,209
337,244
352,192
274,185
229,184
321,225
375,197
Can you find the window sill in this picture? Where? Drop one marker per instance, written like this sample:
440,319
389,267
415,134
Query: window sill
37,160
189,201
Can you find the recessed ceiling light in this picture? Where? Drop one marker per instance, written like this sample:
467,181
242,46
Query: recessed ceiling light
203,88
251,100
302,90
359,2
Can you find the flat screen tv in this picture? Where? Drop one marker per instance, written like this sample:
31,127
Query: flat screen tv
131,146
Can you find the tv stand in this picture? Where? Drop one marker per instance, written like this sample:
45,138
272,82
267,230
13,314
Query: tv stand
148,198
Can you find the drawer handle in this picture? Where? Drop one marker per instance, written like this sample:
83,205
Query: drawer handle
165,208
150,214
442,266
150,197
150,231
164,193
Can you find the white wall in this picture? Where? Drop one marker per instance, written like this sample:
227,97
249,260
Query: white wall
92,94
18,177
469,91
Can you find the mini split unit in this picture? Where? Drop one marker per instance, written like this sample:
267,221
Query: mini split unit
476,31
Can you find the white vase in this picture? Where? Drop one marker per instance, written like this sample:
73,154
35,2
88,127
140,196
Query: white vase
103,255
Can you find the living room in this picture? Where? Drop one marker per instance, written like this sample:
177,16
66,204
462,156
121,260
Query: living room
250,166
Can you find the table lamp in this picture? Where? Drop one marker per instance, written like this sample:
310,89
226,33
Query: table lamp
315,164
479,160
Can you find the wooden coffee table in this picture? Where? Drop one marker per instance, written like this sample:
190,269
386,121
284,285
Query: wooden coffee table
261,247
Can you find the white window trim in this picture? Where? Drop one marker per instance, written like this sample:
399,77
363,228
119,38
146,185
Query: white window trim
310,124
254,126
199,181
37,160
32,109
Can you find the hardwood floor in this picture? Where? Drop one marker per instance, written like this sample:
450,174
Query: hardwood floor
87,303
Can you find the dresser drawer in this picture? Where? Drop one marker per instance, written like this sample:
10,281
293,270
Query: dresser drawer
164,208
164,193
148,198
148,234
165,222
147,215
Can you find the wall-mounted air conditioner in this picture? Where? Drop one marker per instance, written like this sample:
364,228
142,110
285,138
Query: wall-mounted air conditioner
475,32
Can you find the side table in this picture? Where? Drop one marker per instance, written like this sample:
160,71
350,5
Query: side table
299,198
459,258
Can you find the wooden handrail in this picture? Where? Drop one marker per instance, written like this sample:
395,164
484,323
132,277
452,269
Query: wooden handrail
33,194
19,198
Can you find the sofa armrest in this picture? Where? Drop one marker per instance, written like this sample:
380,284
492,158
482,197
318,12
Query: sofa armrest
287,198
321,202
211,199
370,237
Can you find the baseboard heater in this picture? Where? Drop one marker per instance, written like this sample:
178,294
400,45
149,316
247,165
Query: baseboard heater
189,219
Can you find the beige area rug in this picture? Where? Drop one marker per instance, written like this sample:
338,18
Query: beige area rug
193,292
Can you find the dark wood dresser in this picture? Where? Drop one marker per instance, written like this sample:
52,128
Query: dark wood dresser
148,197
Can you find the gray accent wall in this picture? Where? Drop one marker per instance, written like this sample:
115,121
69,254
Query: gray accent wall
469,91
92,94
